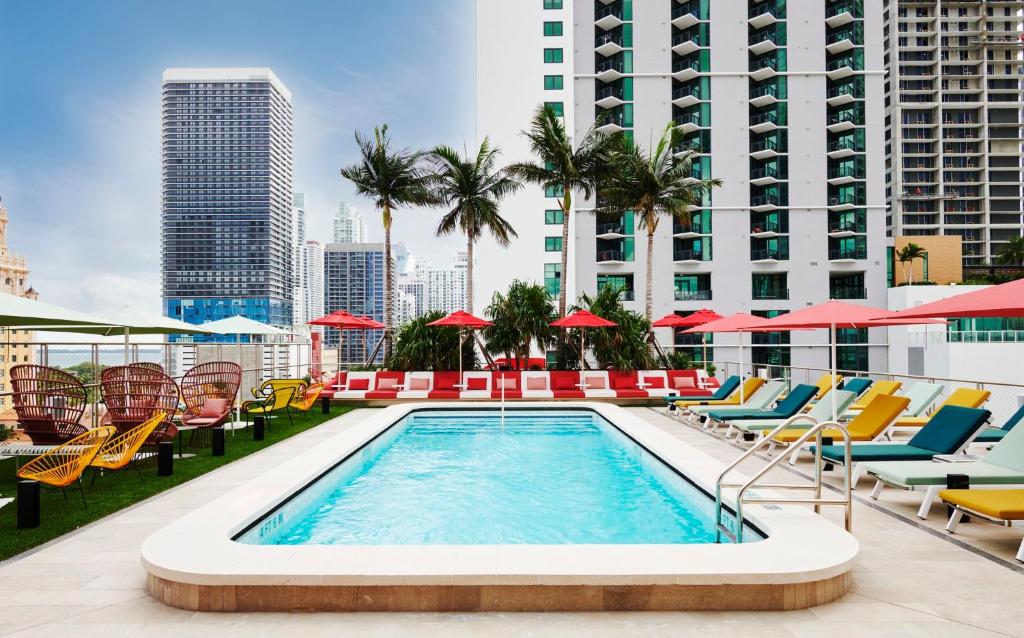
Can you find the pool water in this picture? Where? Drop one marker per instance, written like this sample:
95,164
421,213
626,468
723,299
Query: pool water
474,477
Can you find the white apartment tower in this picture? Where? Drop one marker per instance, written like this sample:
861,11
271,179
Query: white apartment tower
349,225
299,291
783,101
953,137
313,280
446,287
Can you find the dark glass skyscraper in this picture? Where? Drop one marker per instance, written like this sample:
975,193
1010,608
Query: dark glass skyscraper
227,195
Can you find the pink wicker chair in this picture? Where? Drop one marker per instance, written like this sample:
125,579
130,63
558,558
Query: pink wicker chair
49,403
209,391
133,394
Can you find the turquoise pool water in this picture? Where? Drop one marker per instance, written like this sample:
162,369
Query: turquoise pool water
469,477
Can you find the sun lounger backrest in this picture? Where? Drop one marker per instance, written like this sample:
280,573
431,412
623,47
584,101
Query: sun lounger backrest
797,398
822,410
751,387
1014,419
824,384
767,395
967,398
879,388
728,387
1009,452
921,395
857,385
877,416
949,429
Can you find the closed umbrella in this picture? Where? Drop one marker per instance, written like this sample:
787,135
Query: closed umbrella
583,319
739,323
461,319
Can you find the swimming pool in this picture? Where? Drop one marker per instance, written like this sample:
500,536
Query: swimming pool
440,507
482,477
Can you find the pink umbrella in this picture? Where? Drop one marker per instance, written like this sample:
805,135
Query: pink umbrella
740,322
698,318
1004,300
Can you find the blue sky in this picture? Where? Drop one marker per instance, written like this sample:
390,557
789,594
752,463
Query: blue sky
80,117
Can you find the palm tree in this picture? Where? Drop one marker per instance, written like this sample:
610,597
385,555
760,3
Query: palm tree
521,317
652,185
391,178
1012,254
472,188
562,168
906,256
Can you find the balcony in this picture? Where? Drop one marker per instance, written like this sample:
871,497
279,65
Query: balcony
689,256
610,257
610,122
847,292
845,202
688,122
764,175
845,174
767,201
847,255
687,68
766,40
844,147
766,255
609,70
845,229
608,97
764,94
685,42
766,121
845,39
766,229
770,293
611,230
686,95
843,94
608,44
692,295
765,14
609,17
684,16
766,147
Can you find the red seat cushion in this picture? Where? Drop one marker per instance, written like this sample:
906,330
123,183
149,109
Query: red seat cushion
476,384
563,384
444,385
214,408
358,384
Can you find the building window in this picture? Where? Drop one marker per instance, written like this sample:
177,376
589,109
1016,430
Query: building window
552,28
552,56
553,279
554,191
622,283
557,107
553,217
553,83
553,244
552,4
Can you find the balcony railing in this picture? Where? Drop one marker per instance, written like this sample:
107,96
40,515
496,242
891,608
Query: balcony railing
768,199
767,144
764,171
692,295
610,10
848,292
767,116
846,227
680,37
848,253
760,254
611,228
846,170
767,227
609,255
687,90
688,255
846,143
763,90
770,293
608,91
609,65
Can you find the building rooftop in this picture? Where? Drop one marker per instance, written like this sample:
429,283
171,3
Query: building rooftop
226,74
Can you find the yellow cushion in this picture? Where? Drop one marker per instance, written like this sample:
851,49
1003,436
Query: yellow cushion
912,422
877,388
788,436
1007,505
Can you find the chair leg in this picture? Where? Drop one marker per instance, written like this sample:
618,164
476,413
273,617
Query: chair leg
877,490
1020,553
954,520
926,504
81,490
795,455
856,471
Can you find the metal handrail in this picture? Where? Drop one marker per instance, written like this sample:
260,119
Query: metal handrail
817,501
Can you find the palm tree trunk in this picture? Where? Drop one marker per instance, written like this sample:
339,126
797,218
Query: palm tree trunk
469,272
388,284
649,293
564,275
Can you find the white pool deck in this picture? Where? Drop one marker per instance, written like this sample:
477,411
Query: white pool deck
908,581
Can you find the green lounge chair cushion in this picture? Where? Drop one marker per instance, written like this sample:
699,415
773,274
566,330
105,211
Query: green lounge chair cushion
949,429
877,452
857,386
917,473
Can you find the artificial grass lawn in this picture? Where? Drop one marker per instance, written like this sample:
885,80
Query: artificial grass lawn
114,491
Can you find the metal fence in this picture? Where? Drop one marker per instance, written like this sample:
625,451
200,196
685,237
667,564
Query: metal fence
1006,398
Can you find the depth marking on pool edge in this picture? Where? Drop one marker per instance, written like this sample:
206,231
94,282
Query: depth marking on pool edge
949,538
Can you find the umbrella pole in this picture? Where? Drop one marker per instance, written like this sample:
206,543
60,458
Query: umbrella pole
127,359
704,351
742,398
583,356
832,335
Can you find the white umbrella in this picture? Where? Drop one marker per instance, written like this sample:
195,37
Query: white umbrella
131,321
23,312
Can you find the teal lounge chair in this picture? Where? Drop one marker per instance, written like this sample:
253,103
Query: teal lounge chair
722,392
1004,465
821,411
795,401
857,385
993,435
947,432
921,396
764,397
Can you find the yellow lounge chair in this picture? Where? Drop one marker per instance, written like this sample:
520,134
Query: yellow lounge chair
305,401
750,386
998,506
63,465
268,386
878,388
961,397
118,451
825,384
276,401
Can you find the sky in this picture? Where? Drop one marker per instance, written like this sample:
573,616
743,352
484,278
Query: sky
80,118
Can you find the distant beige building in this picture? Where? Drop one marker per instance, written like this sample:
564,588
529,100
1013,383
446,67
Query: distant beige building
16,345
943,263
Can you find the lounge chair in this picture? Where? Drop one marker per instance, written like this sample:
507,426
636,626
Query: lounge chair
1004,465
961,397
750,388
857,385
209,391
995,435
877,388
303,402
921,396
270,385
998,506
947,432
119,450
794,402
762,399
723,391
49,404
826,383
821,411
133,394
278,400
870,425
62,466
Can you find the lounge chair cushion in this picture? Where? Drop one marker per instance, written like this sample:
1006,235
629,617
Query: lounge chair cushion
595,382
1006,505
911,473
212,409
476,383
878,452
949,429
564,381
203,420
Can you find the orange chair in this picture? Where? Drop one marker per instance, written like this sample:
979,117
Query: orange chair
305,401
63,465
120,450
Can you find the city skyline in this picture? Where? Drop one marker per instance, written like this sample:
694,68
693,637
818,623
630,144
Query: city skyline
81,149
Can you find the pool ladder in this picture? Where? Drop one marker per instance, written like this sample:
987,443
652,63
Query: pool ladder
742,497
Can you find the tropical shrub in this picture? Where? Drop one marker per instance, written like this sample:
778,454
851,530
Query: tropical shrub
624,347
522,317
677,360
419,346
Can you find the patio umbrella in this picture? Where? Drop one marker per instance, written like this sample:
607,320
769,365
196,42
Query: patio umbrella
461,319
833,315
340,320
1004,300
129,321
22,312
583,319
739,323
698,318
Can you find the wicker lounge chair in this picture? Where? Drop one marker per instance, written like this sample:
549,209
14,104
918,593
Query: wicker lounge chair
209,391
133,394
49,403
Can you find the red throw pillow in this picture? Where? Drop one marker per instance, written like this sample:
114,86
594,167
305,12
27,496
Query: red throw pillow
564,382
684,383
213,408
655,382
359,384
476,383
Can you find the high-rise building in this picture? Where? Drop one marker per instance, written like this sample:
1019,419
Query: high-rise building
227,195
354,277
349,225
953,122
313,280
299,290
405,306
446,287
782,100
416,290
16,345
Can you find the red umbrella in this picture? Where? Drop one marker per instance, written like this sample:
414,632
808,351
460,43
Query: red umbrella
342,320
740,322
461,319
698,318
833,315
1004,300
583,319
371,324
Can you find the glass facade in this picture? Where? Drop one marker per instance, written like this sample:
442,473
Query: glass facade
354,281
227,199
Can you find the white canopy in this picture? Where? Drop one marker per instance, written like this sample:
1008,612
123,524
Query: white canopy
239,325
129,320
23,312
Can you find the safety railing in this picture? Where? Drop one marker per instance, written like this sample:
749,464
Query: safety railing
846,500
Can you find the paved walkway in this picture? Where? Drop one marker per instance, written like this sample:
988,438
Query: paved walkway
908,582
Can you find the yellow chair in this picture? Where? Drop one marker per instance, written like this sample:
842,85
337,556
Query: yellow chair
64,464
269,386
824,384
750,386
998,506
866,426
277,400
961,397
308,397
878,388
120,450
